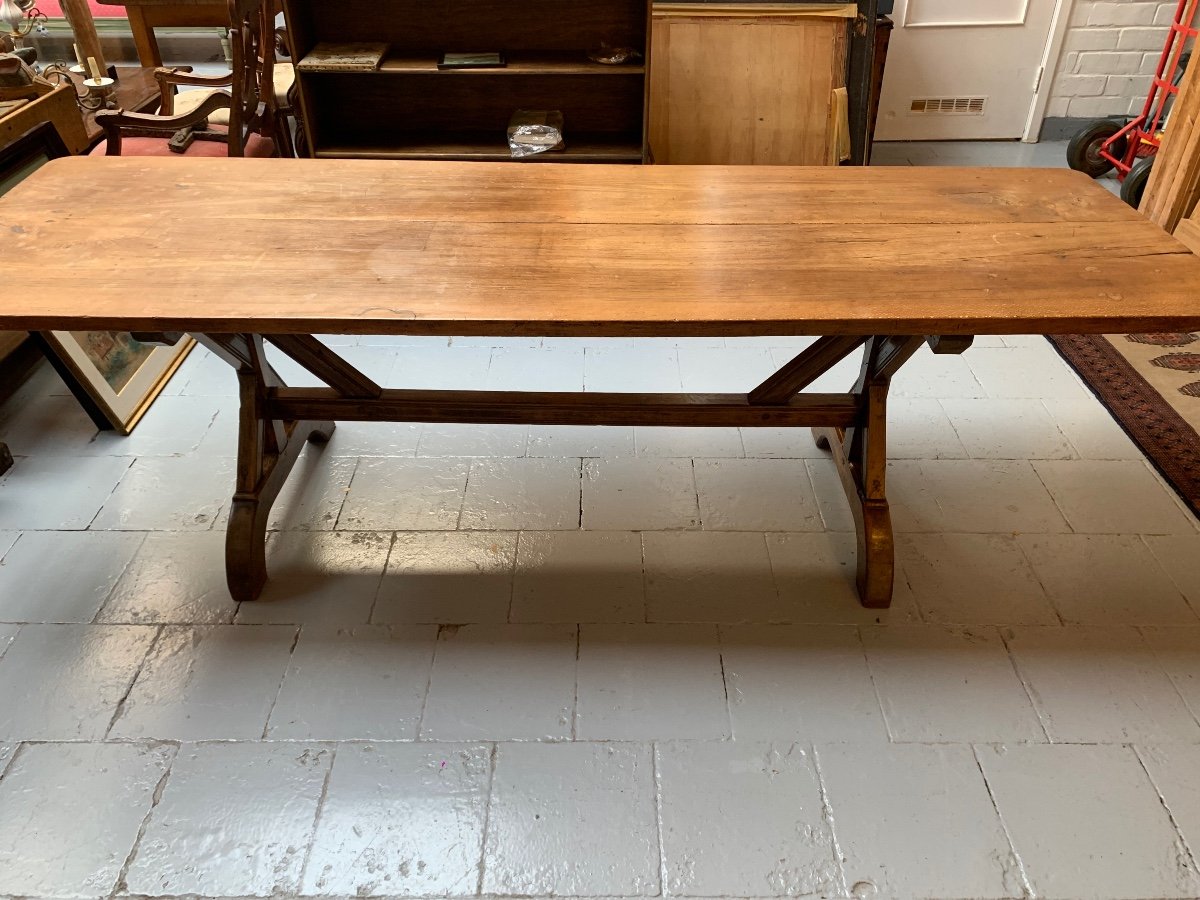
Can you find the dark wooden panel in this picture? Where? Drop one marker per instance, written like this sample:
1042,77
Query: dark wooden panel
482,24
381,107
301,33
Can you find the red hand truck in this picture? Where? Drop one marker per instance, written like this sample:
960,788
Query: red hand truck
1129,147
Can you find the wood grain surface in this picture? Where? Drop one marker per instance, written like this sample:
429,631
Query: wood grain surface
776,111
354,246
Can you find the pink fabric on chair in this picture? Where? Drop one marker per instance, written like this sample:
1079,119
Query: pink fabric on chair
52,9
256,146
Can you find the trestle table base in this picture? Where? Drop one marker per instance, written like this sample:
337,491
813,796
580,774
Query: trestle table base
276,420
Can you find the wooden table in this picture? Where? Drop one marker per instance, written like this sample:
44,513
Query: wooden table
146,15
880,260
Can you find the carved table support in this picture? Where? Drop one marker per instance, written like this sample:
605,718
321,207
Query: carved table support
860,454
267,450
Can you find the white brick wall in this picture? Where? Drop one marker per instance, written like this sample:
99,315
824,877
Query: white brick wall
1111,50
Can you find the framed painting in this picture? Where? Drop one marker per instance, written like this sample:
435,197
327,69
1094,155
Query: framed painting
114,377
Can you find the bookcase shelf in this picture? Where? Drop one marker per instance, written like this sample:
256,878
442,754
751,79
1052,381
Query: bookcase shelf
487,148
534,63
391,101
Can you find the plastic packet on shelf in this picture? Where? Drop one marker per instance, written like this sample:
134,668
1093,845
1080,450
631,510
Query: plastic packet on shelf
614,56
532,131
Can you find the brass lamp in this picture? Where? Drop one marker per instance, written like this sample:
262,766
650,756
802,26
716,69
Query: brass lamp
21,17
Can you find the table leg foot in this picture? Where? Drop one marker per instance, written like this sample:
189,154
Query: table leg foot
876,555
250,512
872,527
246,549
321,432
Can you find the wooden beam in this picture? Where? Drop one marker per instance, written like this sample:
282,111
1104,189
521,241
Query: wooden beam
949,344
1187,233
807,367
526,408
232,348
83,27
165,338
860,70
893,352
1174,183
789,10
326,365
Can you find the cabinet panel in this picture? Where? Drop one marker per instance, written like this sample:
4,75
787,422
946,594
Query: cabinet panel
745,89
482,24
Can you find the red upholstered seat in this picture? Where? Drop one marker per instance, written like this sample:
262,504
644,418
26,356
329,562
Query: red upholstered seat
256,145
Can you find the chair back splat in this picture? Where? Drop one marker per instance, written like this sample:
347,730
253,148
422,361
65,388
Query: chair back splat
252,36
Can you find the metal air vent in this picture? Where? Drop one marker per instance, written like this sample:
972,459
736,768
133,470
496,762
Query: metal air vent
948,106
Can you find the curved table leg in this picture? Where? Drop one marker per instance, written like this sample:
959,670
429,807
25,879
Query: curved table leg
267,451
250,513
860,454
872,526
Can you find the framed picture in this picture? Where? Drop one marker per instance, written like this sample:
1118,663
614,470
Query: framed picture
114,377
119,377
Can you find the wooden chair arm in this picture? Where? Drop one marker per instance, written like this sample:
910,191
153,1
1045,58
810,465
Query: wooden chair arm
113,121
185,75
169,78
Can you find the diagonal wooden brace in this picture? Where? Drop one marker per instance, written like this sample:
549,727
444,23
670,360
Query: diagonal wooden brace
806,368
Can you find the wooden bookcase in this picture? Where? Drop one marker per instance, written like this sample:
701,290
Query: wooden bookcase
409,109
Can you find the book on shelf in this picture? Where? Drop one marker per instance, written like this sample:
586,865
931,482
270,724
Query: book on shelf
330,57
478,60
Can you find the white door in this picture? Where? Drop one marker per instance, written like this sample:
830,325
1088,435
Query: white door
962,69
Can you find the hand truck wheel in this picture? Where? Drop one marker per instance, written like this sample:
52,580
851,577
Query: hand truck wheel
1134,184
1083,153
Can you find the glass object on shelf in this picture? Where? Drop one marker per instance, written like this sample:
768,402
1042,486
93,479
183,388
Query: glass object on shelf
614,56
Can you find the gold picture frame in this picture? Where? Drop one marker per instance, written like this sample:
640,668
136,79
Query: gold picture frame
114,376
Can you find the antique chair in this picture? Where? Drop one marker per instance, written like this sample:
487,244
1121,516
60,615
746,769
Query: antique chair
283,109
242,121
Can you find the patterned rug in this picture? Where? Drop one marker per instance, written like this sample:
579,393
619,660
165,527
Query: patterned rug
1151,384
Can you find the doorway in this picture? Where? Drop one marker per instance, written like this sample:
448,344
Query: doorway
964,69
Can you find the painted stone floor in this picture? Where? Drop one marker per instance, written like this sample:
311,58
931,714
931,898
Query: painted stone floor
603,662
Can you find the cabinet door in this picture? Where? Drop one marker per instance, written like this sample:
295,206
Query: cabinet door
745,89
